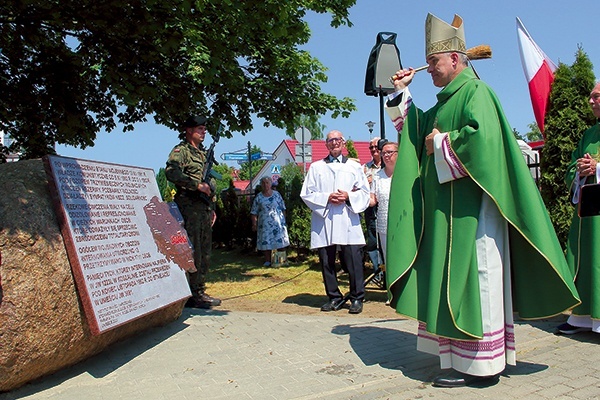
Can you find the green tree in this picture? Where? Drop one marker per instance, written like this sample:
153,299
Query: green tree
227,176
227,215
70,69
164,186
289,172
534,133
568,116
243,234
352,153
518,134
309,122
298,215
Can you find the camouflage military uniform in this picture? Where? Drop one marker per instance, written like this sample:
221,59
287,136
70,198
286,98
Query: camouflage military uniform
184,168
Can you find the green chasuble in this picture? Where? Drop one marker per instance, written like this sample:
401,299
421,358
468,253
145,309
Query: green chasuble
431,265
583,252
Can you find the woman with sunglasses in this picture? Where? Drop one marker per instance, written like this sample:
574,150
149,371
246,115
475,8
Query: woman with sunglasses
380,191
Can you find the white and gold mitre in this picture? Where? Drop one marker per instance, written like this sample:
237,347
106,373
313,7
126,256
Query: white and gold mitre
441,37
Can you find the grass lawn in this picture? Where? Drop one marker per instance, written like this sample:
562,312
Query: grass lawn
239,276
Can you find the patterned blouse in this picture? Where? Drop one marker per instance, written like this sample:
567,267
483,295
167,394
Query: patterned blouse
381,188
271,229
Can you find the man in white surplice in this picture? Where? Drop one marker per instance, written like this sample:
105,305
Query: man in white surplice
337,191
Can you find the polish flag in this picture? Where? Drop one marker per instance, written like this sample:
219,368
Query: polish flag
539,71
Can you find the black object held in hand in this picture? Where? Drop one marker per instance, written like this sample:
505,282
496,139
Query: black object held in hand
210,161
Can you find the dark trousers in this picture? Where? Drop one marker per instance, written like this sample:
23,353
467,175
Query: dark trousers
196,217
352,258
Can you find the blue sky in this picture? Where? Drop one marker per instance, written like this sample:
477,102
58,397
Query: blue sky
557,27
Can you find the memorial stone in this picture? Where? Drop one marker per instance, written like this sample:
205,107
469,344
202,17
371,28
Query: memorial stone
43,326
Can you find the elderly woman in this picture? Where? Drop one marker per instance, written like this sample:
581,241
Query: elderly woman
268,220
380,192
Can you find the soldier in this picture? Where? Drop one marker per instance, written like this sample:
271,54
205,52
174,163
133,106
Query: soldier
195,200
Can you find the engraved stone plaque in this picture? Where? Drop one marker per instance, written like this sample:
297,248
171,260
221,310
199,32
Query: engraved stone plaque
127,251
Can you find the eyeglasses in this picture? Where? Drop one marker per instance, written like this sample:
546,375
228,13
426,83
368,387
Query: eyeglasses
388,153
334,140
373,148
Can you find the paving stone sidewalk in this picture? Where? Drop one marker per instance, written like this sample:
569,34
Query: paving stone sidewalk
211,354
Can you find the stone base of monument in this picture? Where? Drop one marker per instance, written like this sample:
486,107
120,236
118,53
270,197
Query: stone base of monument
43,327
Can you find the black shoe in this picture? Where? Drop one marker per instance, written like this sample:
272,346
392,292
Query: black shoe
331,305
356,307
211,301
194,302
568,329
457,379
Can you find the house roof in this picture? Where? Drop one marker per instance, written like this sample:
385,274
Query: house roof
241,185
537,145
286,153
319,150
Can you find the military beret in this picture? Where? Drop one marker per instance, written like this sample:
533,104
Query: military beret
194,121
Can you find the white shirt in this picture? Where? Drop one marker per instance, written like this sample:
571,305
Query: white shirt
381,189
335,223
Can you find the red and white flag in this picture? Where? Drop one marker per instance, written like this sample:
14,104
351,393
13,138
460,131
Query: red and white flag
539,71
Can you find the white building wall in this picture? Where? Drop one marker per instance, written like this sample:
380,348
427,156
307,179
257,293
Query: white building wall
272,168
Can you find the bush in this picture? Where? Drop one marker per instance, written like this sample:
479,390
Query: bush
568,116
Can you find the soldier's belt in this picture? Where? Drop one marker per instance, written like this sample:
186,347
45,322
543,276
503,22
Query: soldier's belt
194,195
